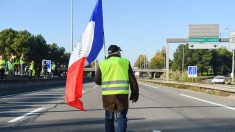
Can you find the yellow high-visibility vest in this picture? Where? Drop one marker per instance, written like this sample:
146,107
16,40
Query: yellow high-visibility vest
2,63
115,78
10,65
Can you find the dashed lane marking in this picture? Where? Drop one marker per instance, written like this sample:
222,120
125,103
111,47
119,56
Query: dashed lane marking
25,115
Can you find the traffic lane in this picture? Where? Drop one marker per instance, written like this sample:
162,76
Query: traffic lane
158,109
30,105
66,118
18,105
190,112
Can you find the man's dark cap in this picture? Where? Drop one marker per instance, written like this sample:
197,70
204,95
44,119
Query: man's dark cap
113,49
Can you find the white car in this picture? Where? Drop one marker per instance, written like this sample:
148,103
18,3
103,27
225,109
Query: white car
218,79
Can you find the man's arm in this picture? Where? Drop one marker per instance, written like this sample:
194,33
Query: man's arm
98,76
133,85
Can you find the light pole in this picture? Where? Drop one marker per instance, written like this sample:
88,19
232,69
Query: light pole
183,62
72,24
233,67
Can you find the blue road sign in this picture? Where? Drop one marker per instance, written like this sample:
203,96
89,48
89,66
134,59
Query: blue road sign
48,62
192,71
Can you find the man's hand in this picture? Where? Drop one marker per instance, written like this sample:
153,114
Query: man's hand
134,97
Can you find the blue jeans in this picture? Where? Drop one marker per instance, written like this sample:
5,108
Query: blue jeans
121,121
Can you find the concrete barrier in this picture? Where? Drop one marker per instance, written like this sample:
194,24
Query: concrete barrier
16,86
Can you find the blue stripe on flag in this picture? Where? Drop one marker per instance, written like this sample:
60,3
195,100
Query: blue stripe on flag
97,17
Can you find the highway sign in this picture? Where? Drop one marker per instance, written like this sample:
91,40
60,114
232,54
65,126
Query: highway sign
203,40
48,62
192,71
204,46
232,40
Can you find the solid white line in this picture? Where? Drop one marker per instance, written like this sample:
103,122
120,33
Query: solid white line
25,115
217,104
148,85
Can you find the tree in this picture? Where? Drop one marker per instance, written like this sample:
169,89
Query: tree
34,47
157,62
219,60
141,62
222,61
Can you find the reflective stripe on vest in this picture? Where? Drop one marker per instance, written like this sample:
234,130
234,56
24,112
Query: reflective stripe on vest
115,78
116,82
115,87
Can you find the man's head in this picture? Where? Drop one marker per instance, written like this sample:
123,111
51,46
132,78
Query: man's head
114,50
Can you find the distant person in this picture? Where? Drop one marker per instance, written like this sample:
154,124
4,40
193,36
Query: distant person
2,66
26,70
53,68
17,66
13,58
115,75
22,64
10,68
31,69
44,69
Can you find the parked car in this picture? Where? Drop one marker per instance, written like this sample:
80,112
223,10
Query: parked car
219,79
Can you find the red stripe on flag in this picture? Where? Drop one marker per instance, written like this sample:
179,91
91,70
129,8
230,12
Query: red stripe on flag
74,84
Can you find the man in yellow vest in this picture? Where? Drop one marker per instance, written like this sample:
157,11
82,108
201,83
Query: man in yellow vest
10,68
53,68
31,69
22,64
115,75
2,66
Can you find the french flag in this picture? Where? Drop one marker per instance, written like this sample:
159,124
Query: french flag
83,54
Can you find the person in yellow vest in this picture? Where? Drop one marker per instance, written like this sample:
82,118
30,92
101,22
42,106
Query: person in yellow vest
31,69
10,68
2,66
53,67
115,75
13,57
22,64
17,66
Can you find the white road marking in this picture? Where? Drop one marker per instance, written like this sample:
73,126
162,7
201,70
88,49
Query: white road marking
148,85
217,104
156,131
25,115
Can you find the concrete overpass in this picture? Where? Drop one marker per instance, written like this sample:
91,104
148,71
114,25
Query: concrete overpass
138,72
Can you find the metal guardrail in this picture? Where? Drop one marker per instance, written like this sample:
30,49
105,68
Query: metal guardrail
149,70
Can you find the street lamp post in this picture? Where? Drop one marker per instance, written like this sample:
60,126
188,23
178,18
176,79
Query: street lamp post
183,63
233,67
72,24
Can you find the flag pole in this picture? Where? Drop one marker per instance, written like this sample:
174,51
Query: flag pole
72,24
104,47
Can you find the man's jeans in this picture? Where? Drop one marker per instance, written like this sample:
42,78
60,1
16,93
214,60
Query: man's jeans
121,121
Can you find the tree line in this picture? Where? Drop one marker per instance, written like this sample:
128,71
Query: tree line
34,47
208,61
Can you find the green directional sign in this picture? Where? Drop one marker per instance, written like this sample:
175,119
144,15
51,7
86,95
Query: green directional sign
203,40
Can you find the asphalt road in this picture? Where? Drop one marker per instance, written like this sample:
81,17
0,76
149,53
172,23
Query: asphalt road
158,109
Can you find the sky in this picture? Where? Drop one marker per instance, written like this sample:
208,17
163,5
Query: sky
137,26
